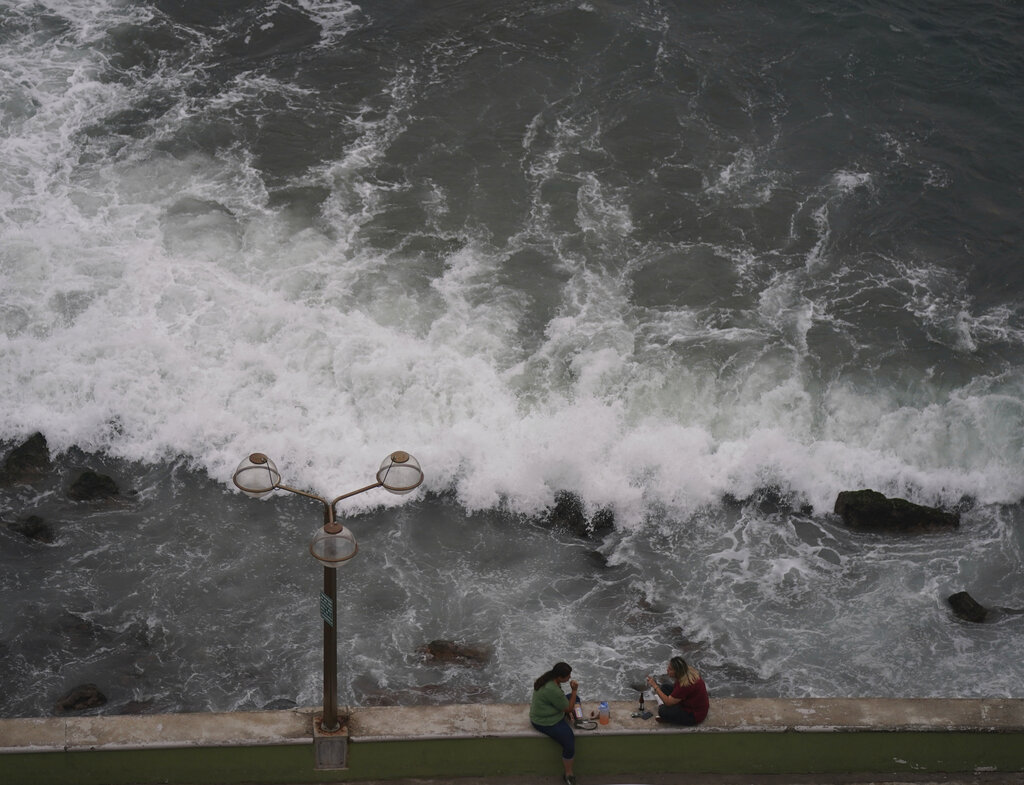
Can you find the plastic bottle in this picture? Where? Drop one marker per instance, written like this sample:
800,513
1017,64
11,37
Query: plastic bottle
577,710
603,714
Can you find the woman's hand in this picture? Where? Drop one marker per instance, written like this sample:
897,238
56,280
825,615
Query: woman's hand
574,685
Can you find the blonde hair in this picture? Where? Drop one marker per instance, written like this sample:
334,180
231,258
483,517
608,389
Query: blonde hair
685,674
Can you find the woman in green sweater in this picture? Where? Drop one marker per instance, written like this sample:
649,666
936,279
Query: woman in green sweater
549,711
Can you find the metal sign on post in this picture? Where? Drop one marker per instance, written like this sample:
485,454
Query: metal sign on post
326,609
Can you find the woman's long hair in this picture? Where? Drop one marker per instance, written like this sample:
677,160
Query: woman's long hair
560,671
685,674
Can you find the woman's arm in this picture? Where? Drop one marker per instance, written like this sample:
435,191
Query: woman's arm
667,699
574,685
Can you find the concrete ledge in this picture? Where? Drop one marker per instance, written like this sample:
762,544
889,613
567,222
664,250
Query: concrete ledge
752,736
159,731
477,720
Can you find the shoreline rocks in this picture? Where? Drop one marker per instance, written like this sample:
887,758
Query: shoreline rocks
969,609
27,462
80,698
569,513
869,510
90,486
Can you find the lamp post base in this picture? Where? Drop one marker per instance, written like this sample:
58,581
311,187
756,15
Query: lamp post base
330,748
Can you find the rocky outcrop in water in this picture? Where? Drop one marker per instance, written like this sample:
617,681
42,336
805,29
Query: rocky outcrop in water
452,653
969,609
569,513
966,607
80,698
27,462
871,511
769,500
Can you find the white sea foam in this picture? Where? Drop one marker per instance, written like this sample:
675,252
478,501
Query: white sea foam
155,306
193,346
746,179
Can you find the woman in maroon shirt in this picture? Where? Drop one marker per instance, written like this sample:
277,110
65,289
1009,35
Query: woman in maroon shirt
687,704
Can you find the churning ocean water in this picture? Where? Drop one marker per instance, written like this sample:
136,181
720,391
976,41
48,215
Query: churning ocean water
702,264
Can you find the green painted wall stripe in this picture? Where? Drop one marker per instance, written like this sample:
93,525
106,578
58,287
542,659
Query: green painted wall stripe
788,752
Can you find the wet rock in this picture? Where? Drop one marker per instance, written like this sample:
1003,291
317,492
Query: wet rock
768,501
969,609
27,462
568,513
34,528
966,607
870,510
81,698
452,653
91,486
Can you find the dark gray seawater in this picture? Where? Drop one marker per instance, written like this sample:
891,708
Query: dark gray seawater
703,264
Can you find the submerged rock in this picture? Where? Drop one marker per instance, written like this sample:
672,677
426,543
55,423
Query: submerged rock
27,462
80,698
79,633
34,528
870,510
452,653
91,486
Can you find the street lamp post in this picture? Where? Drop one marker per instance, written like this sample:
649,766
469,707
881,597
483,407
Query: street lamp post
333,544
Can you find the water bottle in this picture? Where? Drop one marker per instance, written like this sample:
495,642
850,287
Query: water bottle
577,710
603,715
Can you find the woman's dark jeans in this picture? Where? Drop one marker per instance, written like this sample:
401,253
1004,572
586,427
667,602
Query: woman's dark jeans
676,714
562,733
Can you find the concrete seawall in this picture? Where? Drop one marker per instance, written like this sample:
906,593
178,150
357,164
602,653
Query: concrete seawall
740,736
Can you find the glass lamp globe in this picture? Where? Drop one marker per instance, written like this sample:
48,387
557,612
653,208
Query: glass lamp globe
400,473
331,548
257,475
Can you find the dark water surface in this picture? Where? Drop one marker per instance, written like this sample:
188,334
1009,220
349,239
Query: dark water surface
703,265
